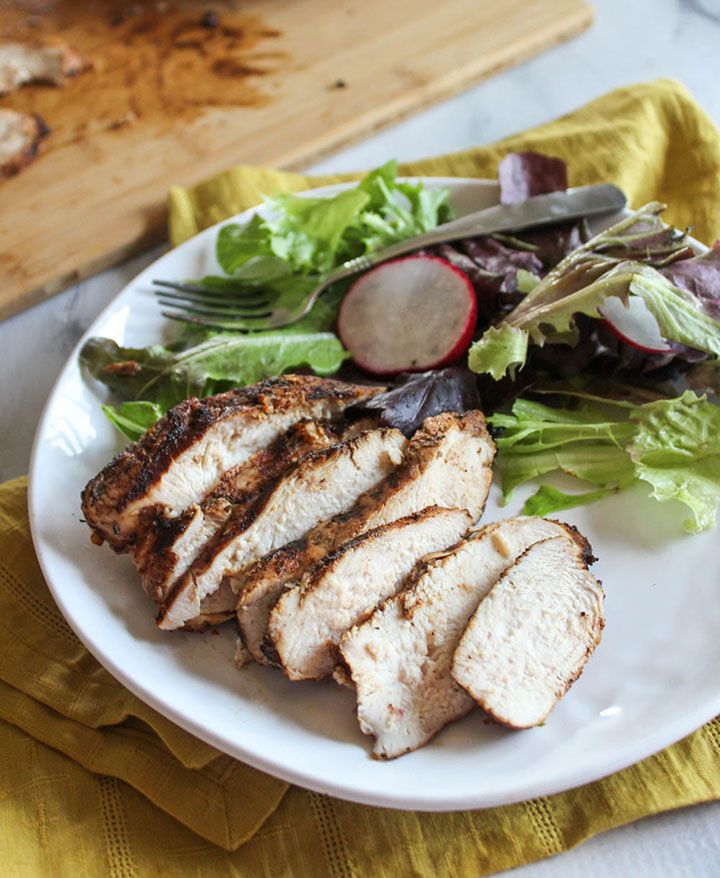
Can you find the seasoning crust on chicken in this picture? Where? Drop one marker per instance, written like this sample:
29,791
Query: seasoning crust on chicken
184,455
447,463
323,484
172,544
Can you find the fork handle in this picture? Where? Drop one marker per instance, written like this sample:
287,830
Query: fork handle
540,210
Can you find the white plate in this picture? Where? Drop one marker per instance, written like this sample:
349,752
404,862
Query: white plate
653,679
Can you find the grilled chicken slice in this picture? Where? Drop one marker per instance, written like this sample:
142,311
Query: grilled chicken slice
399,658
182,457
530,638
20,137
21,63
172,544
307,622
447,463
321,485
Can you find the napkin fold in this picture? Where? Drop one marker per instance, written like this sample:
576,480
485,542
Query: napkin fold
94,782
52,688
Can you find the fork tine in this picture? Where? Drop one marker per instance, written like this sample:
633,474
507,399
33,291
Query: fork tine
220,301
234,325
214,312
200,290
223,306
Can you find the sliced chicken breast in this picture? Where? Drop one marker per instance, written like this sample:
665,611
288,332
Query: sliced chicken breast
529,640
307,623
321,485
399,658
447,463
171,545
182,457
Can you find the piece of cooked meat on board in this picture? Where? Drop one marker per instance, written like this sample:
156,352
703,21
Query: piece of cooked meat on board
21,135
447,463
184,455
170,545
323,484
530,638
399,658
308,622
22,62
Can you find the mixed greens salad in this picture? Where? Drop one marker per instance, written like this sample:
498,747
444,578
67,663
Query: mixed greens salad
588,353
288,253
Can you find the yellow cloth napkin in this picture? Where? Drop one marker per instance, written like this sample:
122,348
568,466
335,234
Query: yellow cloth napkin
652,140
93,782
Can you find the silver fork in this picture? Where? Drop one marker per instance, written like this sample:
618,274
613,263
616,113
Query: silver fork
259,309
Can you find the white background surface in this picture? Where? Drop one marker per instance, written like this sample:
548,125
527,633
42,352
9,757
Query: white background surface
632,40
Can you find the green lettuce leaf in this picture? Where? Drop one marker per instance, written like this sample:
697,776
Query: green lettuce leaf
311,236
227,359
133,418
587,442
526,281
672,444
600,465
377,184
165,377
307,233
678,313
429,207
677,451
502,349
548,500
237,244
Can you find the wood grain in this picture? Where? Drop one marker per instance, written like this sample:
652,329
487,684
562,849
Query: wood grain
177,94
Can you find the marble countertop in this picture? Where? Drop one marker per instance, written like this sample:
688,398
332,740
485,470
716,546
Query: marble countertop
629,42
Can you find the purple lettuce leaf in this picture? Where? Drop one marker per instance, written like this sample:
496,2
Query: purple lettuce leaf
416,396
524,174
699,275
550,244
496,258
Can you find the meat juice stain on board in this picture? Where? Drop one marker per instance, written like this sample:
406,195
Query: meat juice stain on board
156,64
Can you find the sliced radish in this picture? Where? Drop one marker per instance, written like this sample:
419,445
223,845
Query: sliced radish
633,324
408,315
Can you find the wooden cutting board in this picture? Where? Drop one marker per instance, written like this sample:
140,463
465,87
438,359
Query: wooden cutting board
179,91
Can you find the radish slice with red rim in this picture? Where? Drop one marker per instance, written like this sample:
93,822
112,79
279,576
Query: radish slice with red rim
633,324
408,315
